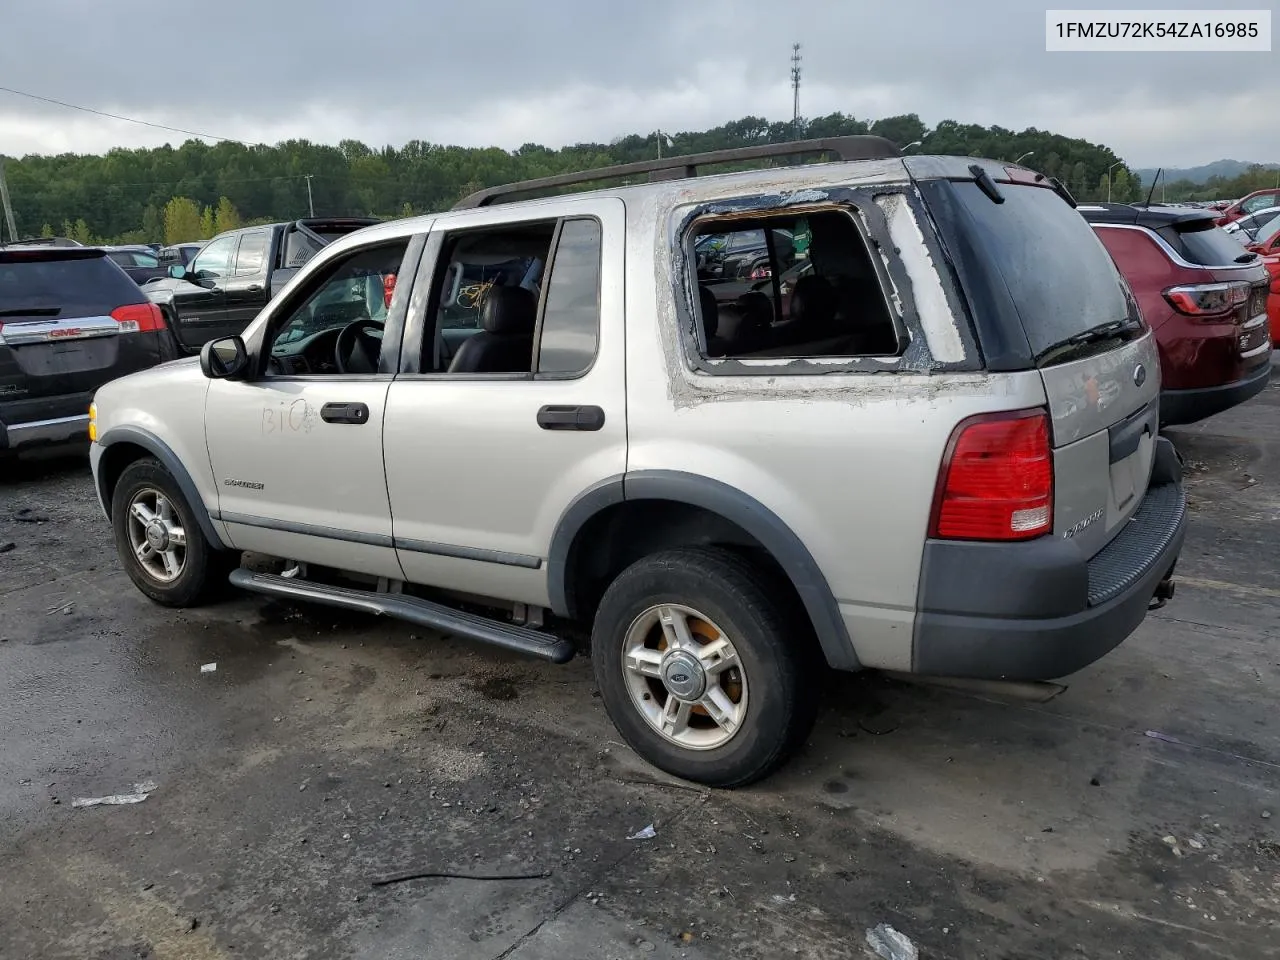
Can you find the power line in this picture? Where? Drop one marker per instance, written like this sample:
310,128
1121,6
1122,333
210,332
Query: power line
116,116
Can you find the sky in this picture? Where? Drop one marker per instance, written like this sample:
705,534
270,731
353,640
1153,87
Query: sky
489,73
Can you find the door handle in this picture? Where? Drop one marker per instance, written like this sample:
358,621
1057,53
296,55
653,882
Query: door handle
253,288
344,413
570,418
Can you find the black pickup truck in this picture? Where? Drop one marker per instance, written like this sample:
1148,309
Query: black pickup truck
236,273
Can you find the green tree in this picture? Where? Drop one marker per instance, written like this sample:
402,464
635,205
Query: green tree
181,220
208,226
46,230
80,233
226,217
153,224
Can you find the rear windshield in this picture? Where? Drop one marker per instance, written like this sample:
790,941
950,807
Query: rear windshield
1031,261
1203,243
63,288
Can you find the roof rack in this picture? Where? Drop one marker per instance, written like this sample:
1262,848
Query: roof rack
678,168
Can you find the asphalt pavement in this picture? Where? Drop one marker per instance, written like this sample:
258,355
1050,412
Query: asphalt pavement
1137,814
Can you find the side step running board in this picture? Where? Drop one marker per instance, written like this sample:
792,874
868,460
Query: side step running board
422,612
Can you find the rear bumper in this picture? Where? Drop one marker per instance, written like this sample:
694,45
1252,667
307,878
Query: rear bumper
1039,610
1188,406
15,436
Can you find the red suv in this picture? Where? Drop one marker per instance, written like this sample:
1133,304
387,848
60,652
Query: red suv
1203,295
1258,200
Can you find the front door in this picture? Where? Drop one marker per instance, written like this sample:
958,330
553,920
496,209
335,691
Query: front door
489,442
296,450
200,298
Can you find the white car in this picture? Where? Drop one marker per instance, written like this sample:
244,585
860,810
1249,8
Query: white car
937,452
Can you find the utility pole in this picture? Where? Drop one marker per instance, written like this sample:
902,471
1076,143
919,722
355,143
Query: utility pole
659,144
795,89
8,207
310,202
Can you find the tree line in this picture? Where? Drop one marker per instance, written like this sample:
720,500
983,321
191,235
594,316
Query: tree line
191,191
1257,177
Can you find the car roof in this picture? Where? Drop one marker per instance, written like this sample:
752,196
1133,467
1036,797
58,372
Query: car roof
1154,217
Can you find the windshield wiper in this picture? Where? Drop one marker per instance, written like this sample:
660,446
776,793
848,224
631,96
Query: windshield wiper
31,312
1098,334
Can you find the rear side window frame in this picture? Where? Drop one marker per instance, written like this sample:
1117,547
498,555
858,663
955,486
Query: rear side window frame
868,218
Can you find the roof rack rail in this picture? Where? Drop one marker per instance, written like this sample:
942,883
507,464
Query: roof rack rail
678,168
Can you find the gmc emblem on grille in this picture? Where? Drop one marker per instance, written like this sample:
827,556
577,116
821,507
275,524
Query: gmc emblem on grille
1139,375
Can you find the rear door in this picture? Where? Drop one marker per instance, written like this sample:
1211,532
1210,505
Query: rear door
246,287
482,464
59,340
200,298
1046,294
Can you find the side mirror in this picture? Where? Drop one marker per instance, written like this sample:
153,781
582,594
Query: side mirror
225,359
177,271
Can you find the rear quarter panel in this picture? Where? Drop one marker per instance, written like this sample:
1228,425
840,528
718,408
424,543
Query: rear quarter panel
848,461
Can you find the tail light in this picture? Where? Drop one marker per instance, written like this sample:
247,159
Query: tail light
1207,299
761,273
138,318
388,288
996,480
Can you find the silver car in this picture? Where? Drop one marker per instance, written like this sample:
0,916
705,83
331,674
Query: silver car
923,438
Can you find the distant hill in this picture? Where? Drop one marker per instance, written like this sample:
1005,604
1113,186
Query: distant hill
1226,169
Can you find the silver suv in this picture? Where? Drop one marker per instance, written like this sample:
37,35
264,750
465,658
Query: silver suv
920,436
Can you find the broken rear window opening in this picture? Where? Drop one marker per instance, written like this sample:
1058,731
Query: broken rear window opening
790,286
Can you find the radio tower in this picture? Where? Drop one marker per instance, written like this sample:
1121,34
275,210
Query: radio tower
795,88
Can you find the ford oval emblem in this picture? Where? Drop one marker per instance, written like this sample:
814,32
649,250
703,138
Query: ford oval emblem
1139,375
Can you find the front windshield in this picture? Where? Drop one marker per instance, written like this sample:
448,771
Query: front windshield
1267,232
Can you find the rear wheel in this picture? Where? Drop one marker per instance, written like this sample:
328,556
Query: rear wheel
703,673
159,540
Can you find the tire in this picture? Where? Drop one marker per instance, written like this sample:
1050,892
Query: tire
719,595
201,569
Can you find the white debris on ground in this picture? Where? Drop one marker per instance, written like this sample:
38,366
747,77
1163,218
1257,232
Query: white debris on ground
140,792
648,833
889,944
208,667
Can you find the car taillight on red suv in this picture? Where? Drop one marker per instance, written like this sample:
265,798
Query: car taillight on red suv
996,481
138,318
1208,300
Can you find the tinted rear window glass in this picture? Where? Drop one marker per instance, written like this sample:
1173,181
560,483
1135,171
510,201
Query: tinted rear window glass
1205,244
78,287
252,255
1059,277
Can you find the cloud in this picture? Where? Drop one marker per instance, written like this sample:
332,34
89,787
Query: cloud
563,71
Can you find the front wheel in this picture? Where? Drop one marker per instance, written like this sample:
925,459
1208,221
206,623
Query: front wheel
159,540
701,670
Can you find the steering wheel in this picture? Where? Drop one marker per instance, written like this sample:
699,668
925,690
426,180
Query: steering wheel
358,345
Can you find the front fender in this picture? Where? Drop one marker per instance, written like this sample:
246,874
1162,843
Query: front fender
107,467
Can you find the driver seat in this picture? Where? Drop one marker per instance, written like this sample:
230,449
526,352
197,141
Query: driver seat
505,342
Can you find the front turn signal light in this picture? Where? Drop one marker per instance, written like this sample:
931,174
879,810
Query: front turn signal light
93,423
